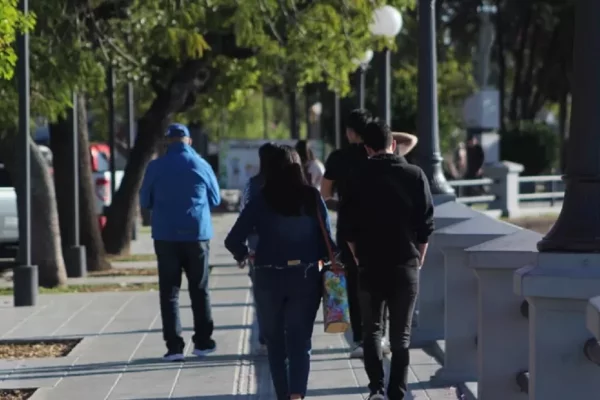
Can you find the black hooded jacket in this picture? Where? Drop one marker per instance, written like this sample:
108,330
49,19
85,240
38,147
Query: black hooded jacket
389,211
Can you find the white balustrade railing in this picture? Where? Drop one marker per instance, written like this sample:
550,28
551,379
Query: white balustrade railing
516,324
505,192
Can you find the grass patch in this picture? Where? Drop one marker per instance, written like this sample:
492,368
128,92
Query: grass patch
145,229
112,287
540,224
133,257
16,394
124,272
21,349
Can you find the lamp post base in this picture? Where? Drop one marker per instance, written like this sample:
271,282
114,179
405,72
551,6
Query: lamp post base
25,285
75,261
577,229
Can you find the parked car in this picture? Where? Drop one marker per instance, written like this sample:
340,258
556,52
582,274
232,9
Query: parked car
100,159
9,219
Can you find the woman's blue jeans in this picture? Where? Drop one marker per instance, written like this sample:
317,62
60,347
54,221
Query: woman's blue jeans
288,298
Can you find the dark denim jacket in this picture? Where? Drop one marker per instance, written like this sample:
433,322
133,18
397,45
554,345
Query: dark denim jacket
251,190
283,240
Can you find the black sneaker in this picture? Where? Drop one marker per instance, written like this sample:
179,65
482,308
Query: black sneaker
173,355
203,349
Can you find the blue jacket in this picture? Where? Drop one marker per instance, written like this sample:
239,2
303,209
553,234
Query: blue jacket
282,238
180,188
251,190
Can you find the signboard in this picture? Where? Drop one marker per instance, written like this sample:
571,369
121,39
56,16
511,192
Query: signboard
238,160
481,110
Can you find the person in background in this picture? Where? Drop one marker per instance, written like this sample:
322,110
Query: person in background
180,187
389,218
339,168
475,160
287,279
313,167
252,189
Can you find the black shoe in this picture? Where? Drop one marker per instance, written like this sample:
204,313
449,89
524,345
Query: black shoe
205,348
174,355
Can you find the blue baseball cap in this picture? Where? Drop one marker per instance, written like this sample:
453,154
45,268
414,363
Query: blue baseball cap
177,131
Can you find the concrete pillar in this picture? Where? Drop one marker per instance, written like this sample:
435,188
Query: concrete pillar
430,304
506,186
460,318
502,330
558,289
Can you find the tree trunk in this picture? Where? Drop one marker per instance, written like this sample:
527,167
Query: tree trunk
524,25
151,127
90,235
46,251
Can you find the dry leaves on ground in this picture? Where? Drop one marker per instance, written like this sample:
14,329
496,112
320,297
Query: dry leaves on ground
125,272
39,349
16,394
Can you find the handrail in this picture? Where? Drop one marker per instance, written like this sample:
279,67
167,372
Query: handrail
523,381
471,182
476,199
591,349
541,178
542,196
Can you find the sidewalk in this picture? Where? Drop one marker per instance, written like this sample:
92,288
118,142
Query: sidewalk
119,356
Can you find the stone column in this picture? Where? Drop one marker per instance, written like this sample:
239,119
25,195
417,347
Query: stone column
460,358
568,271
430,317
506,186
502,330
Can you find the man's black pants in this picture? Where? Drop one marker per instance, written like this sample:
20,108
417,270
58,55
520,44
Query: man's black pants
174,258
397,288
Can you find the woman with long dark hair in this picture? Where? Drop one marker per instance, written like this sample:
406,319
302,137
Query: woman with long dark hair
253,188
287,280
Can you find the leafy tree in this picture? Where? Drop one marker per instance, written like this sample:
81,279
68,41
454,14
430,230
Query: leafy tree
238,47
13,22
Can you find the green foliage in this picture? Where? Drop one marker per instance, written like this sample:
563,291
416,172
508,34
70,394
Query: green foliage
535,145
12,21
455,84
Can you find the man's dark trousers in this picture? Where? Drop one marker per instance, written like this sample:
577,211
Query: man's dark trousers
395,287
174,258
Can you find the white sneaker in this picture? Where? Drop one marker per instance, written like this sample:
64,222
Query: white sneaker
377,396
385,346
357,351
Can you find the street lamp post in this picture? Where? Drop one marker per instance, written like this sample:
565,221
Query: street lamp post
578,226
430,159
25,275
130,112
75,255
387,22
363,65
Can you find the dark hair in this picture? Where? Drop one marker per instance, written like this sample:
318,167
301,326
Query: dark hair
286,190
358,119
265,153
378,135
305,152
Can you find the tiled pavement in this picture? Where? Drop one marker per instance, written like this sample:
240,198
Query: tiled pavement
119,356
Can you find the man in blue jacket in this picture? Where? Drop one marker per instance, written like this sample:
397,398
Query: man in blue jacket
180,188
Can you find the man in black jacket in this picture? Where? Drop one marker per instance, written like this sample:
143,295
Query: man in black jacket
389,212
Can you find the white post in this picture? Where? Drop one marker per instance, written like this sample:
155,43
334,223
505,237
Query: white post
502,329
460,358
506,186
